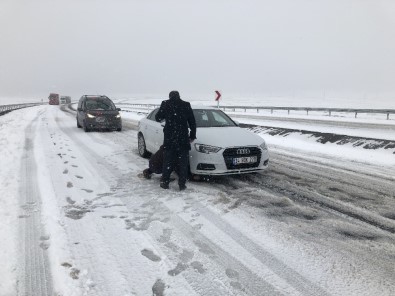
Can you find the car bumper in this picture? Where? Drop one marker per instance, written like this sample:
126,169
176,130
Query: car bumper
214,164
107,124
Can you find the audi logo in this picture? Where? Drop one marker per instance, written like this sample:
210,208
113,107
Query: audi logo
243,151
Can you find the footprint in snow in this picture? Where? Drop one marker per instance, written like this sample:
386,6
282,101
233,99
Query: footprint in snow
186,256
198,226
66,264
70,201
198,266
87,190
158,288
178,269
150,255
44,245
231,273
69,184
65,171
234,275
74,273
79,177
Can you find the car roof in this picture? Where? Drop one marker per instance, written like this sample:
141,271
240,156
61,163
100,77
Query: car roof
199,107
94,96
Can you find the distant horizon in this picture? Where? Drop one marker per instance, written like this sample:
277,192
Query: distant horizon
211,94
320,100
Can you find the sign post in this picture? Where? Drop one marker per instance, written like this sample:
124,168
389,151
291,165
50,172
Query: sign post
217,98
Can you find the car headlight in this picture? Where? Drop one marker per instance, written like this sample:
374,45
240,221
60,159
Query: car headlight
263,146
206,148
118,116
90,115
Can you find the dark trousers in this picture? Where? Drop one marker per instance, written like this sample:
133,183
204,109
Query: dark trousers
173,158
154,169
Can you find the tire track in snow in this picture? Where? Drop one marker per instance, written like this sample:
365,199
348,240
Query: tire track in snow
92,247
251,281
34,276
318,196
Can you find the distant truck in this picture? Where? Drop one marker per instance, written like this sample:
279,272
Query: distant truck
53,99
65,100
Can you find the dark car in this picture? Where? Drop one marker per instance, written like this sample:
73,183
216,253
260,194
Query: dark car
98,112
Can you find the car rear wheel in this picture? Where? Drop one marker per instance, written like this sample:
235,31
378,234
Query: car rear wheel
78,125
119,129
141,146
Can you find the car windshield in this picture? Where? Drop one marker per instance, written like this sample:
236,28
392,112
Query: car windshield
212,118
99,104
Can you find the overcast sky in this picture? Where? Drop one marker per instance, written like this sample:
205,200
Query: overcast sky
246,47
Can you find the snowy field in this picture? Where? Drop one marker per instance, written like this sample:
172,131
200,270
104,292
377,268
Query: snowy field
76,220
356,102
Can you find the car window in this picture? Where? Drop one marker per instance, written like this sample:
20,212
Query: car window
151,116
212,118
99,104
219,118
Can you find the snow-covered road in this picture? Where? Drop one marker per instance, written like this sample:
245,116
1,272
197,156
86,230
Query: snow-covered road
310,225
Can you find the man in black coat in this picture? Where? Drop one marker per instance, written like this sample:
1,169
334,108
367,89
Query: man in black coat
179,116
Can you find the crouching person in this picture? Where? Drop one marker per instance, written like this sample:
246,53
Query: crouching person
155,164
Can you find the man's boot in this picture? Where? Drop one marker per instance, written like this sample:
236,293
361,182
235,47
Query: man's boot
164,185
147,174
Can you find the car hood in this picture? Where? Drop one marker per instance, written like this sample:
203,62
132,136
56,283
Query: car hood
227,137
103,112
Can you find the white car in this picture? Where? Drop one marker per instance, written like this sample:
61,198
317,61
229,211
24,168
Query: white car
221,147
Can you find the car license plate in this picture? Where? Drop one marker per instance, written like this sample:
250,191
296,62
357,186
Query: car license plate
247,159
100,119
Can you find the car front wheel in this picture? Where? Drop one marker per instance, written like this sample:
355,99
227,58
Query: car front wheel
86,128
141,146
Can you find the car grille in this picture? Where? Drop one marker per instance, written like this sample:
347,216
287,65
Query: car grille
106,119
231,153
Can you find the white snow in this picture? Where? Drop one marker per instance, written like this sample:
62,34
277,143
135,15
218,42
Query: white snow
67,176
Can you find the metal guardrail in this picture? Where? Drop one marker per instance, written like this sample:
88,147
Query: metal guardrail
306,109
8,108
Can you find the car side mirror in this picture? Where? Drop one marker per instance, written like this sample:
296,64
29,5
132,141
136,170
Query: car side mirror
119,109
79,109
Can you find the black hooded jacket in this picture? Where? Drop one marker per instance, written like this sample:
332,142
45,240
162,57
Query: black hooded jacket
179,116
